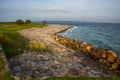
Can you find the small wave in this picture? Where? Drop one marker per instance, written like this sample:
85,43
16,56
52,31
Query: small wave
69,31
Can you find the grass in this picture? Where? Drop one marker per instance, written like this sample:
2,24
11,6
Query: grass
13,43
38,46
6,76
85,78
2,64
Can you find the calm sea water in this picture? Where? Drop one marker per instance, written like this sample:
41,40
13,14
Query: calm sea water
98,34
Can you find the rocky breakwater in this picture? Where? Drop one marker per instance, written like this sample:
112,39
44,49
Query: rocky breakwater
104,56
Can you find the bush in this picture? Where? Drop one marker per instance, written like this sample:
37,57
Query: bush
20,22
28,21
44,23
38,46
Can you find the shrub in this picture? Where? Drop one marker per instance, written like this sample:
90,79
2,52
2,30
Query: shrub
20,22
38,46
44,23
28,21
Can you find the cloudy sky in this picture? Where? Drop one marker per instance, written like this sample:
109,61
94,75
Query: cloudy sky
60,10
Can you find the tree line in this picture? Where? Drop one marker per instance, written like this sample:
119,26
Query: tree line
21,22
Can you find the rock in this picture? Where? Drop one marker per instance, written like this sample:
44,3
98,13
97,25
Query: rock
101,60
18,74
17,68
118,60
65,59
28,67
88,47
30,73
54,74
36,72
112,53
56,38
104,55
114,66
117,71
107,63
46,57
54,66
69,65
56,62
110,68
73,72
15,62
83,64
63,50
89,74
94,72
85,43
49,73
111,58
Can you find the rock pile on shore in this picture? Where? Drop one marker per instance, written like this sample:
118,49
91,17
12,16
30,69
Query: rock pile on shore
107,57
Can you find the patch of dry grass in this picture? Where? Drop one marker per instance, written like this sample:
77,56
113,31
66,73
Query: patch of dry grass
38,46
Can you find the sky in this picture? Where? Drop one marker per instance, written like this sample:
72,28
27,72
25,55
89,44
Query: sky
60,10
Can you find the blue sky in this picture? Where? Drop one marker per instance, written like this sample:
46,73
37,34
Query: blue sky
60,10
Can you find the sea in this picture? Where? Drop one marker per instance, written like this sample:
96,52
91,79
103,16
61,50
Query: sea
104,35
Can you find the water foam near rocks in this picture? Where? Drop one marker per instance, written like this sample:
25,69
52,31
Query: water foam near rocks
98,34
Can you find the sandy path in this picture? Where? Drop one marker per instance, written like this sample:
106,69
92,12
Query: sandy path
44,34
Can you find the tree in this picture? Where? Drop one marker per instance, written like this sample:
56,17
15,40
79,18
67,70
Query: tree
44,23
20,22
28,21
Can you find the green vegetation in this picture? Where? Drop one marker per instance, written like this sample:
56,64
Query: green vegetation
6,76
85,78
2,64
20,22
28,21
6,23
13,43
38,46
31,79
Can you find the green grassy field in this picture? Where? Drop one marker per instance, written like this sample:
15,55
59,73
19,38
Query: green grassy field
13,43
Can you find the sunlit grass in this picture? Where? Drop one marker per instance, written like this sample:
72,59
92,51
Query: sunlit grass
38,46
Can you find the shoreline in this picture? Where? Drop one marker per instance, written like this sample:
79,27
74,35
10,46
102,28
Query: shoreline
61,61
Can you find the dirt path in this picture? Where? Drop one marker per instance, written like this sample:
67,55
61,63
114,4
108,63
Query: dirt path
61,62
